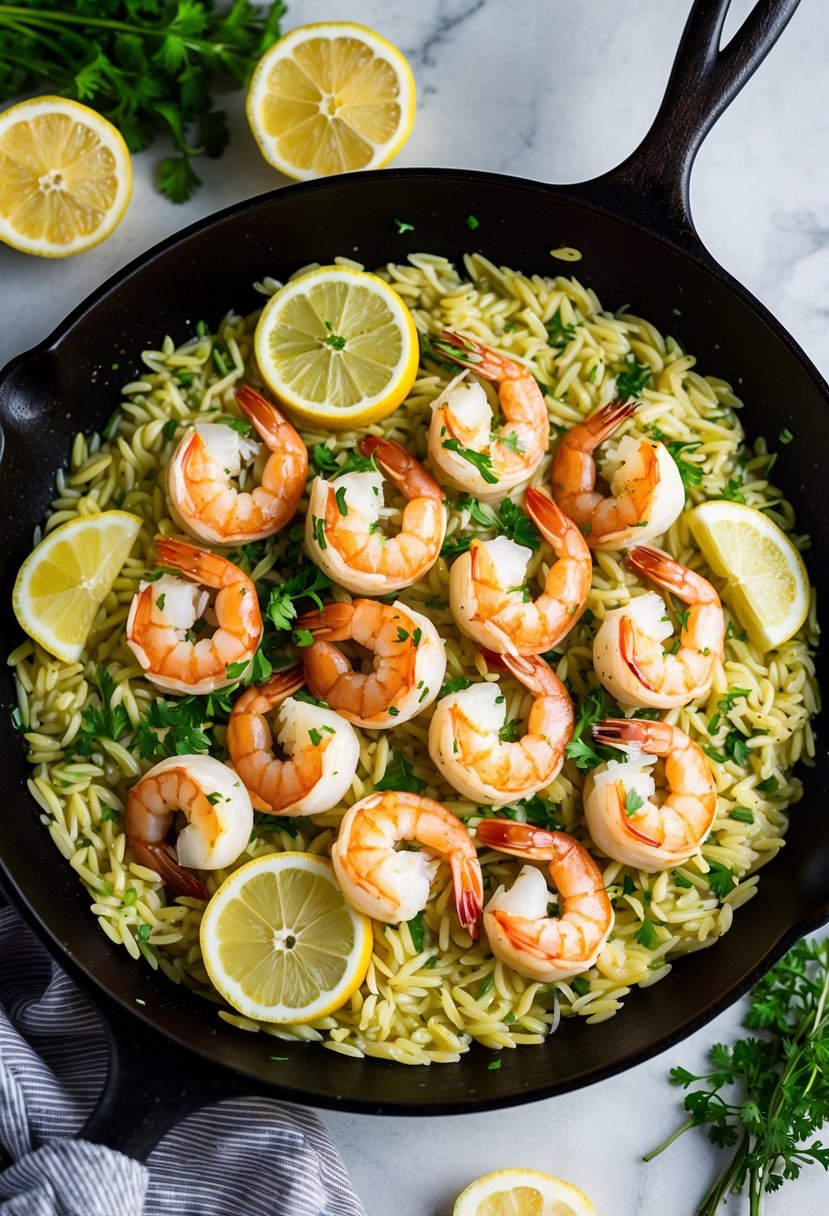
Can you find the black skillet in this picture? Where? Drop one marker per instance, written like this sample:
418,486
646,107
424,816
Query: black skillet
170,1053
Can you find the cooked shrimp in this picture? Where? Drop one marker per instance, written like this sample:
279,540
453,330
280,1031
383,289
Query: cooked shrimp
322,749
489,598
202,497
217,809
408,666
166,618
501,460
392,886
342,530
646,490
465,739
627,651
623,820
521,934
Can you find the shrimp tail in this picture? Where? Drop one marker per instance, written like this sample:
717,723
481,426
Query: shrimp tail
660,568
156,856
262,413
469,893
520,839
606,420
556,527
533,672
198,564
282,685
408,474
332,623
627,650
613,731
460,350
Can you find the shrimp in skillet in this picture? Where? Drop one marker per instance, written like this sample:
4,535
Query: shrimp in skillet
184,643
392,886
466,743
491,602
407,666
463,446
322,749
521,934
217,809
646,490
628,654
342,527
622,818
202,497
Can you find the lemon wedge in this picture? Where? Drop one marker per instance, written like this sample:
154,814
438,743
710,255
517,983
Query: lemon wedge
522,1193
767,584
330,98
65,177
280,942
63,582
338,346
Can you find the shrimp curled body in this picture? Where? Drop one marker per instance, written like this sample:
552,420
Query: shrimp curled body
465,735
541,947
501,460
628,653
218,812
342,531
488,596
167,617
646,490
621,817
322,749
393,886
202,497
408,663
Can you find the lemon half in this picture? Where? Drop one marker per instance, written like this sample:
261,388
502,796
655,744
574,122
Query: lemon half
65,177
280,942
338,346
63,582
330,98
522,1193
767,583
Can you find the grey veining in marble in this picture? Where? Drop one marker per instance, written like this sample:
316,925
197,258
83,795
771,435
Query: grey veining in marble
557,90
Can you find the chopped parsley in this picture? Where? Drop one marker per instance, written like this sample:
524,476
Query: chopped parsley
691,474
732,490
100,721
472,222
455,685
335,341
558,334
785,435
513,523
742,814
720,879
402,226
342,506
632,379
586,754
324,459
509,731
173,728
308,581
417,932
633,803
400,775
647,935
480,460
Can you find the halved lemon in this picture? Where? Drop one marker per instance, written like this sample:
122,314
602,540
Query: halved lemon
331,98
280,942
62,583
338,347
767,583
522,1193
65,177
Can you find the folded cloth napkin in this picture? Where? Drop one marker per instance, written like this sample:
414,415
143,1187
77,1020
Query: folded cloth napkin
248,1157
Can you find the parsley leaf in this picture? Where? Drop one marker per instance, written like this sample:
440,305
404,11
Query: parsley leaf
632,379
480,460
400,775
173,728
455,685
585,753
559,334
100,721
308,581
515,524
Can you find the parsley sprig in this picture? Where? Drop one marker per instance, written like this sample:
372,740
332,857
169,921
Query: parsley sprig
150,66
100,721
582,750
780,1097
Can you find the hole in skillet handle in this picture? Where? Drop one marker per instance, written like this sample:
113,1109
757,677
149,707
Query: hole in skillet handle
650,188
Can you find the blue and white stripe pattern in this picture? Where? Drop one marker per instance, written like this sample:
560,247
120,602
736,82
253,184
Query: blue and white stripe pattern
245,1157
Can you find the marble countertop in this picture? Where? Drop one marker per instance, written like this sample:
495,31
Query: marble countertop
552,90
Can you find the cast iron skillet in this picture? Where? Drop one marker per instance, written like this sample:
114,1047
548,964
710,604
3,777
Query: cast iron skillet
170,1053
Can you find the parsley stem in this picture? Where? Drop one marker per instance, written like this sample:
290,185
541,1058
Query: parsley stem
722,1185
32,17
661,1148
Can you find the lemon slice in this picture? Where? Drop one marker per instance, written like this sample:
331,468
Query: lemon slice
330,98
62,583
338,347
65,177
522,1193
767,583
279,941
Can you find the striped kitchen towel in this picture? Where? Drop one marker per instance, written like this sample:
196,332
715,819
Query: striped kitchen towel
245,1157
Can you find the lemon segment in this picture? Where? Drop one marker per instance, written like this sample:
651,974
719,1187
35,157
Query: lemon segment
338,347
767,584
522,1193
65,177
280,942
331,98
63,582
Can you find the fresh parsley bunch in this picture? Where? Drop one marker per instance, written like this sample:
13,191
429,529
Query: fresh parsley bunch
149,66
767,1096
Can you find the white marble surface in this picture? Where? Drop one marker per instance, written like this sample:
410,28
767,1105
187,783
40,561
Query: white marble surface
555,90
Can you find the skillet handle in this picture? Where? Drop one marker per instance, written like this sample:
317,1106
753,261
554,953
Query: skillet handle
148,1089
650,188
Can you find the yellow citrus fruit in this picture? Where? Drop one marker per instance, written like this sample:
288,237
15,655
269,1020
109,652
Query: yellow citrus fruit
522,1193
61,585
65,177
280,942
767,584
331,98
338,347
